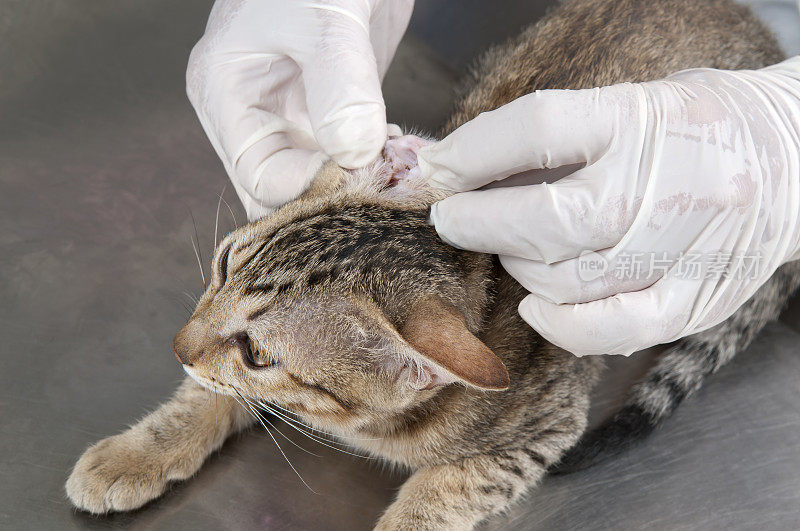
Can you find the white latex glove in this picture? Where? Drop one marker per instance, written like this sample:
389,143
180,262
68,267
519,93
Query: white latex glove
702,167
280,86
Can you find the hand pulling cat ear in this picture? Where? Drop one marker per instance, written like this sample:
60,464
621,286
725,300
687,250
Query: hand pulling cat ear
439,333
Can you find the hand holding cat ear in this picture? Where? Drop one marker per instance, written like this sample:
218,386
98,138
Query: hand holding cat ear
280,87
688,201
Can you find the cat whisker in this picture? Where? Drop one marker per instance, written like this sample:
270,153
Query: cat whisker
192,298
324,435
216,218
319,440
323,442
229,209
258,418
197,250
251,404
188,309
306,430
295,417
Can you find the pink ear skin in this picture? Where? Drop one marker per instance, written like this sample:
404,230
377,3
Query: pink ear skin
438,332
400,154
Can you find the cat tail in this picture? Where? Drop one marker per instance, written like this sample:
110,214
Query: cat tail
679,372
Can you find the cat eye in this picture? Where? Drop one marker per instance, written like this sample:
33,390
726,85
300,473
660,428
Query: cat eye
252,357
222,268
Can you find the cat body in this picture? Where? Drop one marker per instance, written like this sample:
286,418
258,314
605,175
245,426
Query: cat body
345,309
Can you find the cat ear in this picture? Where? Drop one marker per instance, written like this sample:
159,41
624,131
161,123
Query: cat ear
449,350
329,178
400,155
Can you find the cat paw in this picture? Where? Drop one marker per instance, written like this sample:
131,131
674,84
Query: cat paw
115,475
396,519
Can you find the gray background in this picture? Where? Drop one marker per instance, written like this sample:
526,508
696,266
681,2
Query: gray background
101,162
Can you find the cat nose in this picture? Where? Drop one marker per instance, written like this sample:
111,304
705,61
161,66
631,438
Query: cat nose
181,352
185,346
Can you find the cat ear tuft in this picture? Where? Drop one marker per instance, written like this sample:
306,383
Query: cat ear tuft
449,350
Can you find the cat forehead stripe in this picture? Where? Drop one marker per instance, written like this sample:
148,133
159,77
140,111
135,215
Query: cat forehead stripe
356,239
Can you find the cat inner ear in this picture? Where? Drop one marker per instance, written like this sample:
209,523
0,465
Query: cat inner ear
449,351
400,154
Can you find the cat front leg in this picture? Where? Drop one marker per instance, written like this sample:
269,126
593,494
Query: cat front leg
461,494
126,471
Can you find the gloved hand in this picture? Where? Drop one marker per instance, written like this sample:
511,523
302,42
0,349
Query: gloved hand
688,201
280,86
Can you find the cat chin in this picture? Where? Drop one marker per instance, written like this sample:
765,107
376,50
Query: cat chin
206,383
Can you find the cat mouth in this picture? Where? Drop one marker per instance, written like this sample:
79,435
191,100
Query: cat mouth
212,384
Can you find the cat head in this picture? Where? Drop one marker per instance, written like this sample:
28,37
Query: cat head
341,306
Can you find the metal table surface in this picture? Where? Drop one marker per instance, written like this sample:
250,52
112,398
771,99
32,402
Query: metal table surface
101,163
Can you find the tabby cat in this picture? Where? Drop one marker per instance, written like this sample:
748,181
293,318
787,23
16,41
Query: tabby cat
345,308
